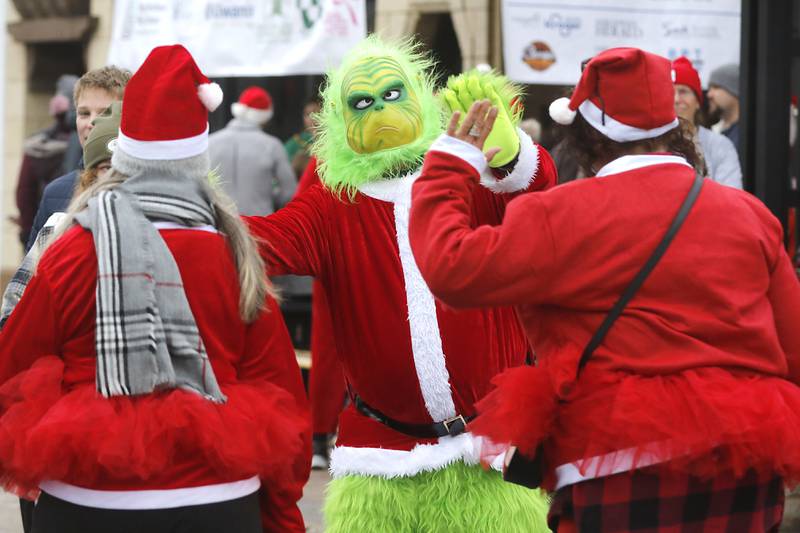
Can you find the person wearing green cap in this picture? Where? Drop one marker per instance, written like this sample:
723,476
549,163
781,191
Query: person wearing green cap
99,146
97,151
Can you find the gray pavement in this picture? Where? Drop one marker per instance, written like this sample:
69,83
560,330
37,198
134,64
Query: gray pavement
9,514
311,505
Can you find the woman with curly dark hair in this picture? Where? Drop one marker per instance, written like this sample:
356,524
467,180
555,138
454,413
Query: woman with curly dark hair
663,309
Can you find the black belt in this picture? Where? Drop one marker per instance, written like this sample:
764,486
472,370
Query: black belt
452,426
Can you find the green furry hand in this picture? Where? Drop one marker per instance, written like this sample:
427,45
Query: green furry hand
463,90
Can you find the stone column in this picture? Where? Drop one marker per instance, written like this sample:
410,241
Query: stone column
395,19
471,19
14,132
97,50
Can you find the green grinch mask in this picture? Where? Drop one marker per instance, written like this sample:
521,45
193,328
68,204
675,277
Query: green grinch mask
381,110
379,115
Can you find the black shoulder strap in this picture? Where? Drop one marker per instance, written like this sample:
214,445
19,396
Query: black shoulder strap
634,285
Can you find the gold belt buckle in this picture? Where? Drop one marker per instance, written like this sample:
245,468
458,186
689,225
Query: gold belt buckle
450,421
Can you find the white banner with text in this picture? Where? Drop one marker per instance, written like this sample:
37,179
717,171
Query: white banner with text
545,42
240,37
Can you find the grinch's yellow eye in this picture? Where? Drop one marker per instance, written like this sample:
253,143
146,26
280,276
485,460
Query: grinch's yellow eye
363,103
392,94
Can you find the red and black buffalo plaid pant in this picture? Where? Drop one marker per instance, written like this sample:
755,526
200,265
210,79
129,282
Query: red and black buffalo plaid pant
649,501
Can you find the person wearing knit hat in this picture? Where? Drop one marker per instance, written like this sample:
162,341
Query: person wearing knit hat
99,146
647,408
718,152
158,380
252,165
723,101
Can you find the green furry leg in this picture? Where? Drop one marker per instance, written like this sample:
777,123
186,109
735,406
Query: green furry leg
457,499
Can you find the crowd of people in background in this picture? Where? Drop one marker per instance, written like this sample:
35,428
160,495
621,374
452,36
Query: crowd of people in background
260,178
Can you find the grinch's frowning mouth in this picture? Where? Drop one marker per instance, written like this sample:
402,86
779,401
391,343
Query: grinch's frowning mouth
387,128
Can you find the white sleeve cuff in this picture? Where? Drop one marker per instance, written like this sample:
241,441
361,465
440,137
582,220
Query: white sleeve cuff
462,150
524,171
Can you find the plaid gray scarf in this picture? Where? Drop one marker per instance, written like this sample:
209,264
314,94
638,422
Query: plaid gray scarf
146,336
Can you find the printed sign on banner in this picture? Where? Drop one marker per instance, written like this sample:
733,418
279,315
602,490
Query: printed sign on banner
240,37
545,42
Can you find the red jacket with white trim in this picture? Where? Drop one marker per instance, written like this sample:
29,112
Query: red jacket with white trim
706,354
55,425
407,355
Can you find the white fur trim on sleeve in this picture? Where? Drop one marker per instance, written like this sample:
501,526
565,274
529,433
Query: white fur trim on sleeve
462,150
524,171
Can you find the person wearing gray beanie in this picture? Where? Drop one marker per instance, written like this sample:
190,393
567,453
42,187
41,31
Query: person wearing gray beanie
723,98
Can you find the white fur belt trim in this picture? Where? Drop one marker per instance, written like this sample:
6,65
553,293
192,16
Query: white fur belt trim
151,499
348,460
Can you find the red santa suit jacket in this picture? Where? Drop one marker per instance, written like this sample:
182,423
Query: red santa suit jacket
700,371
57,431
405,354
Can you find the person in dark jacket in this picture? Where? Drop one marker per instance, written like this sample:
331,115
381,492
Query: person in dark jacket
44,154
94,92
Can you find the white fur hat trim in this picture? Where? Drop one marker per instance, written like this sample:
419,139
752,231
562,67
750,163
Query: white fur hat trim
560,111
250,114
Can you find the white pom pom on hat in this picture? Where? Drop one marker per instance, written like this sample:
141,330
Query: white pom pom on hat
560,111
210,94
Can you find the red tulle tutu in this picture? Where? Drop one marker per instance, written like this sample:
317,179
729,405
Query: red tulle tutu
704,422
46,433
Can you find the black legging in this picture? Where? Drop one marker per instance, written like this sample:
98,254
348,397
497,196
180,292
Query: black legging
53,515
26,510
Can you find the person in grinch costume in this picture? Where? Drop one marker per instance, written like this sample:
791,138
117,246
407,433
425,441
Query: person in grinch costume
405,460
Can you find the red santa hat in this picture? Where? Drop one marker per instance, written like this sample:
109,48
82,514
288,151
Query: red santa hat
165,107
684,73
254,105
624,93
